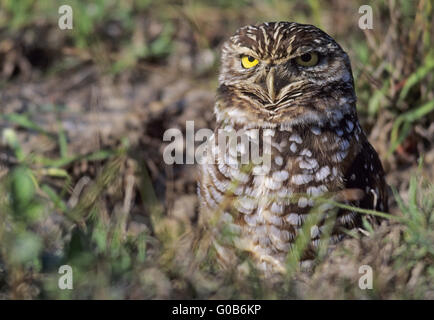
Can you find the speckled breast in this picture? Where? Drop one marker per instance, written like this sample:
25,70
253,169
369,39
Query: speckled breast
268,202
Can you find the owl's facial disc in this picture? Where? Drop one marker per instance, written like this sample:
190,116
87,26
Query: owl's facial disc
286,72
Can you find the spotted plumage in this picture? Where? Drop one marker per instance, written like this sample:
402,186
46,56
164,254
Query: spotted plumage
294,99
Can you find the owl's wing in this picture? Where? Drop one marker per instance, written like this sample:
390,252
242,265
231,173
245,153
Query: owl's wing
366,174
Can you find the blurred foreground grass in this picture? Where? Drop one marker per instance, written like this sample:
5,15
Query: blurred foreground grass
109,262
51,216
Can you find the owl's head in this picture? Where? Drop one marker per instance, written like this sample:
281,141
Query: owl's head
284,73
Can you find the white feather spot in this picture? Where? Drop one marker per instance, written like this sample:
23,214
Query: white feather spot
314,232
246,205
251,220
284,193
308,164
302,202
239,176
273,219
295,137
316,191
272,184
347,218
315,130
294,219
306,152
322,173
260,170
277,208
301,178
278,160
345,144
280,175
223,169
339,156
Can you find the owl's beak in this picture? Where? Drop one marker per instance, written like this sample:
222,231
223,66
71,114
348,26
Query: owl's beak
270,84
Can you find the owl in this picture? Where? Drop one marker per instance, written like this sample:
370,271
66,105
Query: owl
289,89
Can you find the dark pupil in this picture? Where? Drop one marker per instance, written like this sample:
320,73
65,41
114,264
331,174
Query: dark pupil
306,57
251,59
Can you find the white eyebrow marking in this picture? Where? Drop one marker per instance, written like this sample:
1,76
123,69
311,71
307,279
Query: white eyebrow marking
279,37
266,40
276,45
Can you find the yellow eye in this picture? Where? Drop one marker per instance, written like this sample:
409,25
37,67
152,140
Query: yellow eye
248,62
309,59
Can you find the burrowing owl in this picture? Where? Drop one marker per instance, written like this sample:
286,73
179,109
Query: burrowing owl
292,83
